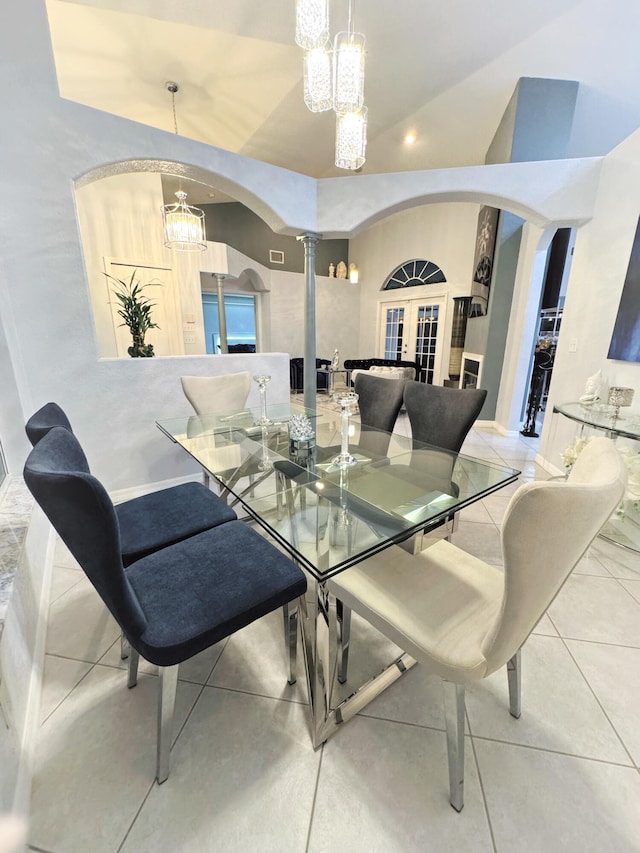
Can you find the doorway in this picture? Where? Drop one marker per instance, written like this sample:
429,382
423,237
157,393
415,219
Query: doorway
546,339
413,330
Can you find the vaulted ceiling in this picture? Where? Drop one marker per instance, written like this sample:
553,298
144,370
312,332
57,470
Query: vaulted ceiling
443,70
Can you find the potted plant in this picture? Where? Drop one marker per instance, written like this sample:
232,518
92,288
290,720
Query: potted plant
135,310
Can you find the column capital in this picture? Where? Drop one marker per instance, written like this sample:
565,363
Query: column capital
309,238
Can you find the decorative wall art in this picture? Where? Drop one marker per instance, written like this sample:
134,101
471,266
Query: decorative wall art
625,340
483,259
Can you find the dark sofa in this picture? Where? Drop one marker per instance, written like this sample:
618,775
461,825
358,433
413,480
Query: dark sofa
296,374
366,363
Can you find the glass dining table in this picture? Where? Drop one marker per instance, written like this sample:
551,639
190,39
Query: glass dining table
329,516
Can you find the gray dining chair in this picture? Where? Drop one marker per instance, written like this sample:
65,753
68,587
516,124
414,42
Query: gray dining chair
462,618
442,416
174,603
379,401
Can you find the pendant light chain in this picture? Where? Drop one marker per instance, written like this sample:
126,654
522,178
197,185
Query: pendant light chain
173,88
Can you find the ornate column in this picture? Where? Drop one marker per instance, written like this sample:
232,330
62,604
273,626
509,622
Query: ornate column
222,317
309,242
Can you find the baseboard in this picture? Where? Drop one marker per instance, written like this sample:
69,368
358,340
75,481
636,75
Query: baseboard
549,466
22,797
497,427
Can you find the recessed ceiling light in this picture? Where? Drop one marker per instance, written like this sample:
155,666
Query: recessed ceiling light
212,195
409,138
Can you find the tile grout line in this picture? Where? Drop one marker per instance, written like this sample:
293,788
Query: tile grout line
314,799
64,698
631,766
481,783
600,705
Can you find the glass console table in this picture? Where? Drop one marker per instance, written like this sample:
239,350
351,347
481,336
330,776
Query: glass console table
623,528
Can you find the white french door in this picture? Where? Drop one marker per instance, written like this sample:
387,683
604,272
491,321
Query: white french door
413,330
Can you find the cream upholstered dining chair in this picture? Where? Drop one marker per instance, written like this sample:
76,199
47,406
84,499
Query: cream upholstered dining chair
212,394
463,619
209,394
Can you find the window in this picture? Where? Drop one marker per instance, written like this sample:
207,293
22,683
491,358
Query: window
240,312
414,274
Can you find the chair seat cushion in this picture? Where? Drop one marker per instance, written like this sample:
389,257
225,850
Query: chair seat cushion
162,518
216,583
437,605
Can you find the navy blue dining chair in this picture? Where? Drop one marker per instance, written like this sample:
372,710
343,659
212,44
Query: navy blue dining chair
155,520
171,604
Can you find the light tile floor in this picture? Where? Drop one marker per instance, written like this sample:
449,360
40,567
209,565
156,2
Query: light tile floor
245,778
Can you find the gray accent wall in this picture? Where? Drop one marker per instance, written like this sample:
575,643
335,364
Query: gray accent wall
488,334
234,224
536,125
537,122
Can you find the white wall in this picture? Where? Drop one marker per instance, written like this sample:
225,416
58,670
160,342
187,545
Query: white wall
442,233
21,660
337,315
600,259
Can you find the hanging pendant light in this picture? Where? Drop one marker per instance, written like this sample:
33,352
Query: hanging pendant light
318,85
312,23
334,78
184,228
351,139
348,69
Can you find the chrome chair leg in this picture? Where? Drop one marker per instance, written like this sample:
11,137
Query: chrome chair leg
343,618
132,668
514,674
454,719
290,615
279,487
124,647
168,676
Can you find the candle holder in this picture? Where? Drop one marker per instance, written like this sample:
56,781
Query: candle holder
263,380
346,401
265,463
618,398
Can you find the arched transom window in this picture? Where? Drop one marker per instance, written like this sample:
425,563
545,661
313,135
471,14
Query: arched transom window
413,274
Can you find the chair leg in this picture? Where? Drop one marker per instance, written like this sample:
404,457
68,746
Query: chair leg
343,618
454,719
514,674
132,669
290,615
279,487
124,647
168,676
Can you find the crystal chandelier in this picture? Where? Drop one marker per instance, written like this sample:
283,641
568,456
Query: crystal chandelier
334,79
183,225
351,139
312,23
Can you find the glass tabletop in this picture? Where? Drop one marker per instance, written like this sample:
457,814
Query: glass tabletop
331,518
326,515
602,416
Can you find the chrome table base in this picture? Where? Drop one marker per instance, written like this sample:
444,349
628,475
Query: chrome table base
319,630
